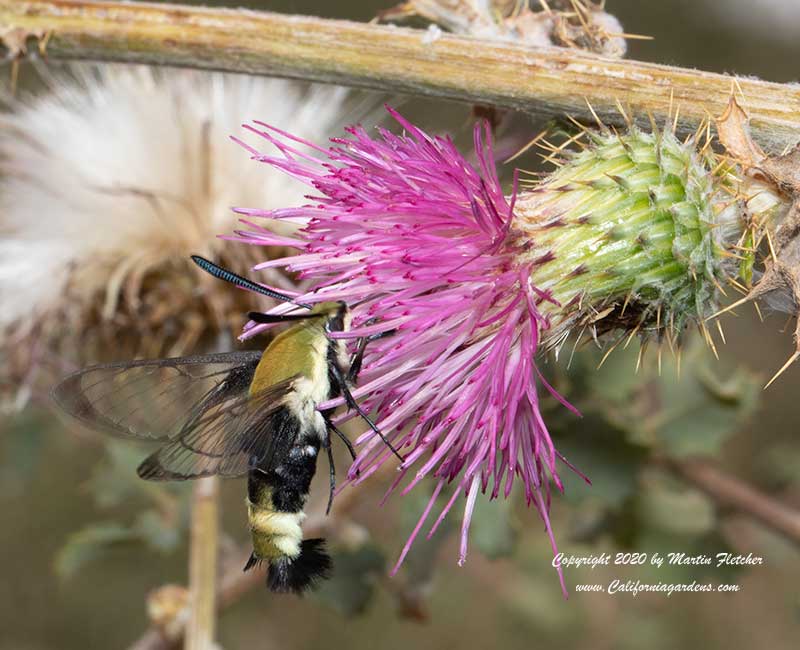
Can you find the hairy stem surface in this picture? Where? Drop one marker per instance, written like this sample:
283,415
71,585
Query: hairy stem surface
383,57
203,552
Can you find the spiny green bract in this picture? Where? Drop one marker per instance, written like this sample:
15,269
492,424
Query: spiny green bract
639,231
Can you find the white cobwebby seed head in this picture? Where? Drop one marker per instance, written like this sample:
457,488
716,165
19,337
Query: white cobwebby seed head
120,166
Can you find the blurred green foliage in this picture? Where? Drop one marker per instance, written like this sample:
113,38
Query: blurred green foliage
352,585
160,523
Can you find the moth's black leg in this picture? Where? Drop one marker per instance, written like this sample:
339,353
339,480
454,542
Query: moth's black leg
356,361
342,436
381,335
253,465
358,357
329,449
348,397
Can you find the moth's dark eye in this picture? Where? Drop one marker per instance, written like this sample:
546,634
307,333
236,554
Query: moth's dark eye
336,323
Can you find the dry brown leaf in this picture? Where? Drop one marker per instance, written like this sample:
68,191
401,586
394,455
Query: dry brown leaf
782,267
785,171
733,128
15,39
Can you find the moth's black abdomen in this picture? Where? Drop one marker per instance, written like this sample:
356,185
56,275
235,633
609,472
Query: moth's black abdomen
303,572
277,492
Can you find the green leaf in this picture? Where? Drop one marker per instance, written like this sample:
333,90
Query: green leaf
492,530
689,413
415,579
114,479
779,464
157,532
22,445
419,564
352,584
616,379
589,522
88,544
601,451
668,505
701,409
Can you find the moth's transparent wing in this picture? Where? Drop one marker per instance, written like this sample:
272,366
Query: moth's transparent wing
155,399
199,406
229,438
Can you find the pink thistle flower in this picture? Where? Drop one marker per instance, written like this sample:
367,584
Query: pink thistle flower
420,243
635,232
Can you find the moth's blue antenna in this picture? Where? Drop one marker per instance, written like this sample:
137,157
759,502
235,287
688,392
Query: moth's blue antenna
234,278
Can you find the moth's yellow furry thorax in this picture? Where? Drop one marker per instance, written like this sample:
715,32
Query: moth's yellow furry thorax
300,350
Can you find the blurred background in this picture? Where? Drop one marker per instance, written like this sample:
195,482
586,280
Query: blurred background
84,542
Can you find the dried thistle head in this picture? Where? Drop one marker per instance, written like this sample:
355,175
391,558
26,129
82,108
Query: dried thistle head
111,178
579,24
585,25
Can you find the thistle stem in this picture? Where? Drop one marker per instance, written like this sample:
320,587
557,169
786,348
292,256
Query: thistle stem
235,583
383,57
203,551
730,492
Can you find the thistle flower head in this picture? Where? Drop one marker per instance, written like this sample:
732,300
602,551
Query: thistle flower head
468,284
417,240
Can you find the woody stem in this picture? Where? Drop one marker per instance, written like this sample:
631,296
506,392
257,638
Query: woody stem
550,81
203,552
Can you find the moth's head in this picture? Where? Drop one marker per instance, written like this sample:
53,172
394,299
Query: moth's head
337,315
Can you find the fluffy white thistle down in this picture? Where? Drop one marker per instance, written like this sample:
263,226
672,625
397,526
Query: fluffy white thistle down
109,178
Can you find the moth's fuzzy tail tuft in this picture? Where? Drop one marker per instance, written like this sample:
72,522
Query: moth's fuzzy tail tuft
302,573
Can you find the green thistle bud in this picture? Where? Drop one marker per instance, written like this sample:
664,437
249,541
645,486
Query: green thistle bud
643,232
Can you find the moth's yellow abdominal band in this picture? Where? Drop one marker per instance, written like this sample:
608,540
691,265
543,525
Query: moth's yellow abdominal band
276,534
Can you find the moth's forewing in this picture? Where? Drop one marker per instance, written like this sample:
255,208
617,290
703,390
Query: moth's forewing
200,406
153,399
